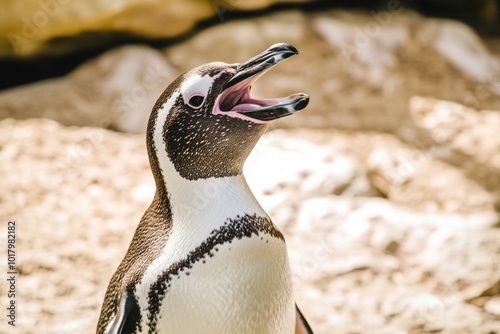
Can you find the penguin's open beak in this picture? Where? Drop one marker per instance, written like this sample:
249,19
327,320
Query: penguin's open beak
236,100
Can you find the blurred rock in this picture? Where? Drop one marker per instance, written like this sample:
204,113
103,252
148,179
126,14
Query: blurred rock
28,28
493,306
359,68
404,174
361,263
339,250
116,90
53,27
463,137
470,55
399,170
326,171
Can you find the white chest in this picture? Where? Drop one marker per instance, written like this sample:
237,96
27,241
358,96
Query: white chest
244,287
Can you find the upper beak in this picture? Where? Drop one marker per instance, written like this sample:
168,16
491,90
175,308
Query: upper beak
262,62
236,92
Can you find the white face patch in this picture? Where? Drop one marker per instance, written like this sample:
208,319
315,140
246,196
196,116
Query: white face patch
196,85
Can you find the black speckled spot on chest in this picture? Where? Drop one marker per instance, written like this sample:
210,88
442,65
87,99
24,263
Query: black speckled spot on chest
233,229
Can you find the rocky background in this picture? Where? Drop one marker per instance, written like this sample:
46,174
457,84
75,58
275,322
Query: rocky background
387,187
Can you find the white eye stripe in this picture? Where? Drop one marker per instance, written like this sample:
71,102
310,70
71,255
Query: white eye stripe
196,85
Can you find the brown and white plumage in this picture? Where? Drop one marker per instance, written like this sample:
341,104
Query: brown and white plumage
205,257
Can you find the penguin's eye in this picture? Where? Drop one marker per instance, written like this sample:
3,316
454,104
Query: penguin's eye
196,101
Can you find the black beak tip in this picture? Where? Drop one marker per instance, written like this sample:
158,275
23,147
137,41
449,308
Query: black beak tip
293,49
302,103
289,49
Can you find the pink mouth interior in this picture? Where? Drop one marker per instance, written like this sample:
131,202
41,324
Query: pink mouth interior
237,97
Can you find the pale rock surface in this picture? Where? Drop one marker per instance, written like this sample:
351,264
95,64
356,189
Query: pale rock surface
361,263
470,55
462,136
406,175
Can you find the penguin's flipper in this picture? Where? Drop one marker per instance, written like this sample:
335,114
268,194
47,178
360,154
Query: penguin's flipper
301,325
127,318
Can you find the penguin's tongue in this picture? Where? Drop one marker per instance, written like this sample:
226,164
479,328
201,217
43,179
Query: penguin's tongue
241,101
236,100
245,107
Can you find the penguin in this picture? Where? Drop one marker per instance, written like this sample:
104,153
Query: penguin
205,257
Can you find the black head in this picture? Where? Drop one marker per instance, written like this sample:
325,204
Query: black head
208,123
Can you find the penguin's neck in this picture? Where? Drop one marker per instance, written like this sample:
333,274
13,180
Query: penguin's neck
207,203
